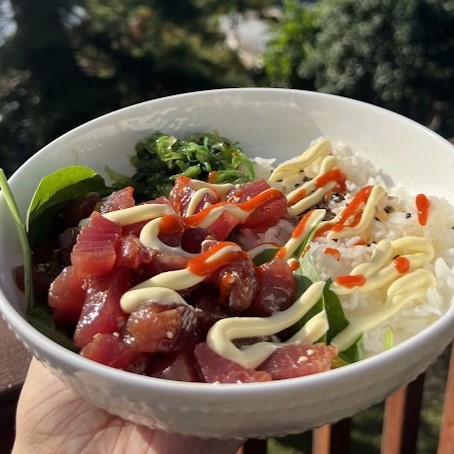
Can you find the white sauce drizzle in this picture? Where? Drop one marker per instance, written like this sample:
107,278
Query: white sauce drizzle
313,195
221,189
408,288
254,252
380,271
223,332
366,218
294,242
149,238
139,213
162,295
307,158
196,199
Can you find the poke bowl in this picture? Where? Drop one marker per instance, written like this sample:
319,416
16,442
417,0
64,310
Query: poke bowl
391,279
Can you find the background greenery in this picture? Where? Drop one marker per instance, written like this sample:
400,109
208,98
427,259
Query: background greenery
63,62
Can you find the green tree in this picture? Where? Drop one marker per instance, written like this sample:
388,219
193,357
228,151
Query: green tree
395,53
293,37
72,60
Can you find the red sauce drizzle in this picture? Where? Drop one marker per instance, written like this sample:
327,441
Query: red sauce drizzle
299,195
334,253
169,223
293,264
260,199
332,175
202,267
295,234
212,176
350,281
360,198
422,205
250,205
402,264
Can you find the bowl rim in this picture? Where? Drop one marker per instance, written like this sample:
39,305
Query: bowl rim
31,336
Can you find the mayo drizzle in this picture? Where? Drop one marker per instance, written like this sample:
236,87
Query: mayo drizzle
380,271
309,193
221,189
224,331
307,158
366,218
149,238
139,213
404,290
178,279
307,223
162,295
197,198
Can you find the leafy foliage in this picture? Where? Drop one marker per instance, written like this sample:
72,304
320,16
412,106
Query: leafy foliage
397,54
69,61
160,158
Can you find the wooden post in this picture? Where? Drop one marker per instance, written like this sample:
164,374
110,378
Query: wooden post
446,442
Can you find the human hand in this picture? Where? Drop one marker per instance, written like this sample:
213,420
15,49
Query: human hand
52,418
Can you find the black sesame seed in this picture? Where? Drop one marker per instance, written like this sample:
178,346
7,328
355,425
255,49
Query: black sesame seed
377,219
408,215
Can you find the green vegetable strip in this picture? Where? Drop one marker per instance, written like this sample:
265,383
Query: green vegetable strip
22,233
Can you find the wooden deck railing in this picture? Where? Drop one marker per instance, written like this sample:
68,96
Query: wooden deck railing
401,421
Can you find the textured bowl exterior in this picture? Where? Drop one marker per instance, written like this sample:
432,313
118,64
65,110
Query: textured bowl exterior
268,123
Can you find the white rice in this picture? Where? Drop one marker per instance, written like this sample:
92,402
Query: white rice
402,221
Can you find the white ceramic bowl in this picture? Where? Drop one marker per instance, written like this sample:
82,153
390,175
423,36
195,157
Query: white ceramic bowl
269,123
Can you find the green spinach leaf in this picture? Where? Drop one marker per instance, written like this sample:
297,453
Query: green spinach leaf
305,275
54,192
36,314
265,256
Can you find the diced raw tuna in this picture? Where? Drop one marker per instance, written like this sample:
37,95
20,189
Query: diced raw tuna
95,250
155,327
101,312
162,263
179,366
66,296
299,360
215,368
171,229
237,283
80,208
276,287
181,195
205,300
110,350
265,215
137,227
132,253
193,237
118,200
223,226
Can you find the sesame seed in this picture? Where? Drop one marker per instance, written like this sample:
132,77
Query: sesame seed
169,335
